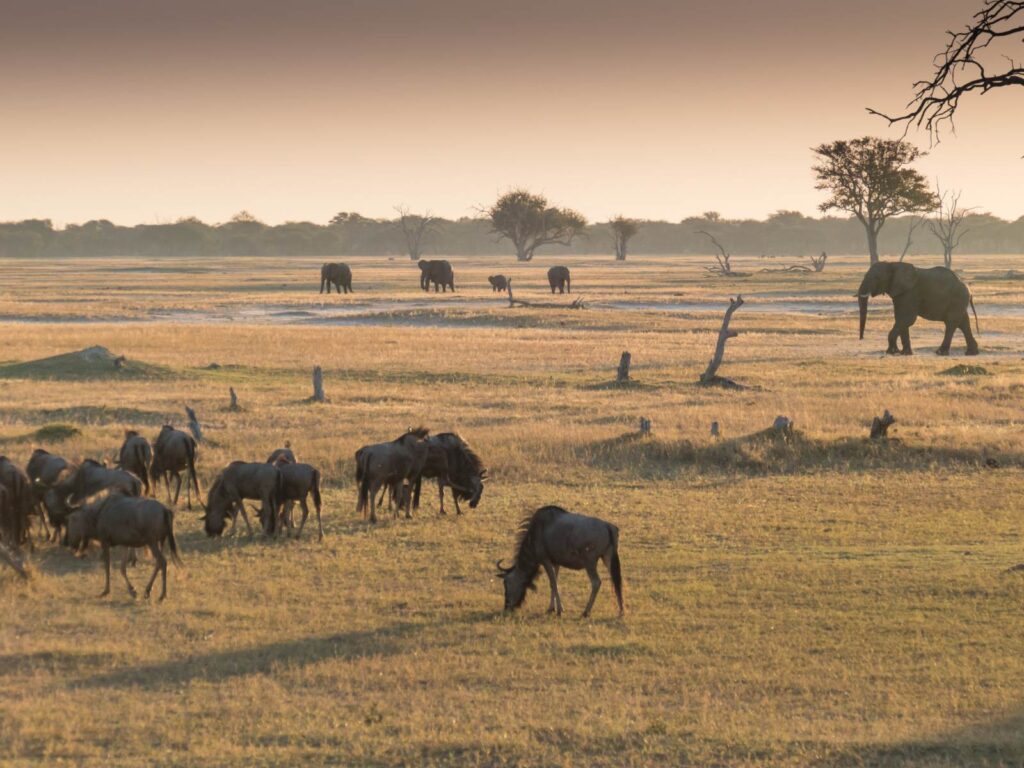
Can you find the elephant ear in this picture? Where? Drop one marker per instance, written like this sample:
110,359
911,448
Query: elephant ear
904,276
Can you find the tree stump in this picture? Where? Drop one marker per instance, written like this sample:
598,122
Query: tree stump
234,400
623,373
645,426
710,376
318,385
880,426
716,432
193,425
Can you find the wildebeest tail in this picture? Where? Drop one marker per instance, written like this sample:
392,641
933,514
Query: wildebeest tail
172,545
191,448
141,461
615,567
316,489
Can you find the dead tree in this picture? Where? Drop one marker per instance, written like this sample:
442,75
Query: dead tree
415,230
975,61
915,224
318,385
193,425
818,262
234,400
710,376
9,557
576,303
723,259
947,223
880,426
622,375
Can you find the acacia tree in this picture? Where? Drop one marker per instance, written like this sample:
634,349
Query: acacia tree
872,179
415,230
529,222
947,223
623,230
974,61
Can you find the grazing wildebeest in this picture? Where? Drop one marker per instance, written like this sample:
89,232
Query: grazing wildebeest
300,481
174,452
126,521
558,277
436,271
454,464
338,275
390,464
136,456
552,538
244,480
44,471
14,520
78,483
499,283
283,455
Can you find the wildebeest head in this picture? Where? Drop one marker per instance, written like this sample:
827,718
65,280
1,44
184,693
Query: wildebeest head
516,582
216,511
81,526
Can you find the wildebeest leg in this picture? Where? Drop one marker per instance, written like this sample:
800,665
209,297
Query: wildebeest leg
305,514
440,492
167,483
374,487
245,518
455,498
407,498
124,572
555,606
106,564
595,585
188,490
159,567
177,487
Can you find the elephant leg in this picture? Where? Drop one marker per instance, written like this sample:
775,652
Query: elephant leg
893,335
972,343
905,338
947,338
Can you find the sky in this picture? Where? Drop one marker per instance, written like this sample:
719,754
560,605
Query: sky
148,111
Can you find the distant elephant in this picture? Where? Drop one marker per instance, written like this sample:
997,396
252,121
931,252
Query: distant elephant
338,275
558,277
499,283
439,272
934,294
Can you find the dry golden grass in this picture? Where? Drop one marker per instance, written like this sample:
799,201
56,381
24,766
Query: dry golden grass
822,601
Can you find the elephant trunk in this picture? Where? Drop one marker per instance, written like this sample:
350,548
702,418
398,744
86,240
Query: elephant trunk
862,299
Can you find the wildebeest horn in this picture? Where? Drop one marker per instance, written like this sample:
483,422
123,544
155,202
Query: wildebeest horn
501,567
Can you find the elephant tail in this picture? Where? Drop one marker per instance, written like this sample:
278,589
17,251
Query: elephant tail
977,328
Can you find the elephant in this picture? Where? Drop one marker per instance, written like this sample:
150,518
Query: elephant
558,277
934,294
438,272
499,283
338,275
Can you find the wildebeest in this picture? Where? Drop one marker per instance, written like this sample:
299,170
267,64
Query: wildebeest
18,506
499,283
390,465
558,277
78,483
126,521
44,470
454,464
338,275
174,452
136,456
436,271
244,480
552,538
298,482
282,455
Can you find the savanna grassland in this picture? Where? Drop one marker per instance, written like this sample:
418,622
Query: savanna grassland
821,600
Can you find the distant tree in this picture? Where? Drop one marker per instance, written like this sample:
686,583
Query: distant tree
948,223
244,217
346,217
529,222
872,179
415,230
971,63
712,216
915,224
623,230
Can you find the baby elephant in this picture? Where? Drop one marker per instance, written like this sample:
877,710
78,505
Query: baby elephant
126,521
499,283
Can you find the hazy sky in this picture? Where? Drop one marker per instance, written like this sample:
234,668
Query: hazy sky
146,110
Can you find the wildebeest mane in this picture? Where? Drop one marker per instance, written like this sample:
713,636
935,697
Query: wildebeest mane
466,464
530,528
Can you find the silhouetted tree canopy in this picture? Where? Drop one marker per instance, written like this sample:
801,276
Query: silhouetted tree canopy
529,222
871,178
623,230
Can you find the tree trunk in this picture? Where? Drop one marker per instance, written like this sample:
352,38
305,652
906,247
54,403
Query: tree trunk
947,257
234,400
872,242
622,375
524,253
724,334
193,424
318,385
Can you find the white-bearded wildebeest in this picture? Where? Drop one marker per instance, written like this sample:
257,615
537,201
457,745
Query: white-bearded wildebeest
136,456
14,517
44,471
174,452
552,538
300,481
454,464
77,484
244,480
390,464
126,521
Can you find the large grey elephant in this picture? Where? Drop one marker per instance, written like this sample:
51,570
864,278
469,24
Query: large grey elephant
934,294
558,277
338,275
439,272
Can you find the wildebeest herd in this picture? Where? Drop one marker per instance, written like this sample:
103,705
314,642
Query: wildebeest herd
76,503
439,273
